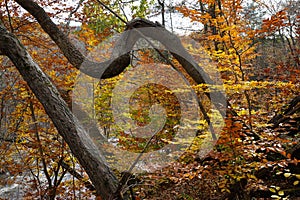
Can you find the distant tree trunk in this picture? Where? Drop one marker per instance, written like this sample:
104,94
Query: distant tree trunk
203,12
162,5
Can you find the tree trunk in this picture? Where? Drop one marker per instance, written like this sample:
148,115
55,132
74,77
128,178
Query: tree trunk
66,123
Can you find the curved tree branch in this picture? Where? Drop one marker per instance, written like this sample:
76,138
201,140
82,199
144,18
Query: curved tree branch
119,61
113,67
145,28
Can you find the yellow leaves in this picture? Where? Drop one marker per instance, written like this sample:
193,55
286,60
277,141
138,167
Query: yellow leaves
194,12
190,175
251,176
34,53
89,36
220,54
206,16
232,87
214,37
92,42
229,28
272,190
225,190
275,197
287,175
281,193
207,88
243,112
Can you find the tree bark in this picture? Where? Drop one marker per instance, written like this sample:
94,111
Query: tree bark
66,123
173,44
113,66
119,61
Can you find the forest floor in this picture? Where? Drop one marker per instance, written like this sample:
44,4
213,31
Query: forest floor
240,167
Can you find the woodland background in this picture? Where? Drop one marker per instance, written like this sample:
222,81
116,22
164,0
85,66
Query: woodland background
255,46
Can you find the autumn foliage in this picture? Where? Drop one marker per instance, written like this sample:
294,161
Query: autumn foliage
257,153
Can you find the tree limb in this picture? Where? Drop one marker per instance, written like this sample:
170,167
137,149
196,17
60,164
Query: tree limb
74,173
119,62
112,67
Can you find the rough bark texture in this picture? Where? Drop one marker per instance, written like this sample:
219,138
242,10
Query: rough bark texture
67,125
114,66
173,44
120,61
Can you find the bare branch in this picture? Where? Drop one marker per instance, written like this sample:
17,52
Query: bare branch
9,17
73,172
70,15
113,12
